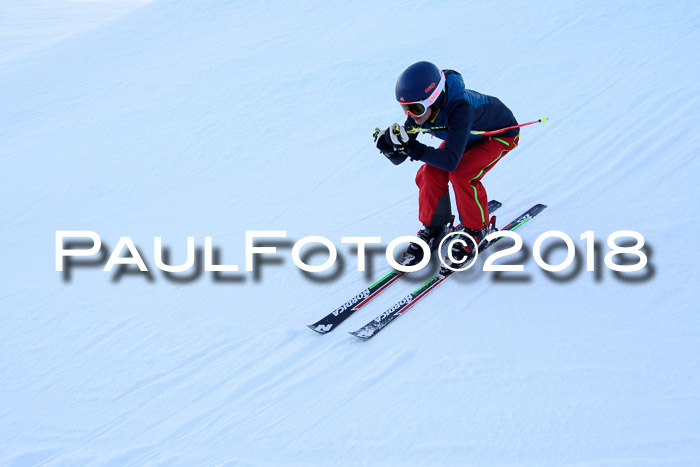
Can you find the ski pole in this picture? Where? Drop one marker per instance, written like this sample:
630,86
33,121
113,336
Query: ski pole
495,132
416,129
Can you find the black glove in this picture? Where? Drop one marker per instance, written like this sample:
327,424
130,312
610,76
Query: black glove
408,144
395,153
392,139
383,142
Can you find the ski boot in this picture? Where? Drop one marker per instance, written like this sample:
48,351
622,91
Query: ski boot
462,253
432,235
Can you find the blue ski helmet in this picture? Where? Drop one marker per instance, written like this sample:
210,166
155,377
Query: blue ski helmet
418,87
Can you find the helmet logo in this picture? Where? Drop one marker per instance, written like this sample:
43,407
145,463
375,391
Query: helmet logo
430,88
401,99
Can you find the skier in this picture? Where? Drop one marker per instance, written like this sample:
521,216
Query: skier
437,101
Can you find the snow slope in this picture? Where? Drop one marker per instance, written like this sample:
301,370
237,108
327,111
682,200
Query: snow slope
37,24
213,118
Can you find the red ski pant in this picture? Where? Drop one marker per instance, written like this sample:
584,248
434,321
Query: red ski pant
470,194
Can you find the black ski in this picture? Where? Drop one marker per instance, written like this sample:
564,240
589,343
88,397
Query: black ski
380,322
344,311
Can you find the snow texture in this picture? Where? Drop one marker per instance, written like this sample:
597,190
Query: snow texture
212,118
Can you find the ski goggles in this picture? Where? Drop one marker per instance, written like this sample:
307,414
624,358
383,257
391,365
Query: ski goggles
419,108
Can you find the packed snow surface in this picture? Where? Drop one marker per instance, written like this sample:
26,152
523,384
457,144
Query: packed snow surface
212,118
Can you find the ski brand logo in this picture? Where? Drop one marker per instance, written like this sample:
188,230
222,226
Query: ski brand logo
323,327
430,88
398,305
352,302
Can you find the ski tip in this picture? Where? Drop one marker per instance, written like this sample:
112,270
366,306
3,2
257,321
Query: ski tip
318,329
359,335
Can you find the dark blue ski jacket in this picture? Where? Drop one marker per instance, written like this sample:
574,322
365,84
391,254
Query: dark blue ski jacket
462,111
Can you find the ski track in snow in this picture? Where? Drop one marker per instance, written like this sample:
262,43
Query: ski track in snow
210,118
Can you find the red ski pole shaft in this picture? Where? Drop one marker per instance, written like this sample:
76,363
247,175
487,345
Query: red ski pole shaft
495,132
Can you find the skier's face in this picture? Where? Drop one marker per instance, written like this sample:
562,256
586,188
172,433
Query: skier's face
423,118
